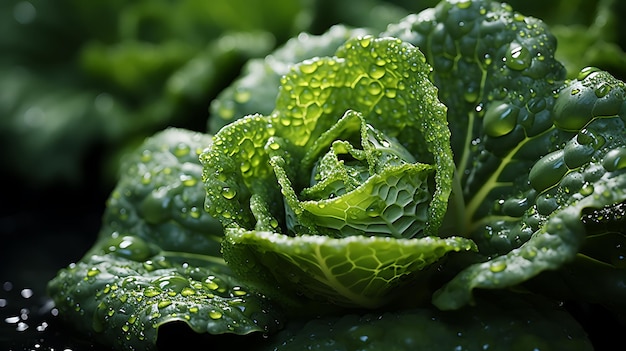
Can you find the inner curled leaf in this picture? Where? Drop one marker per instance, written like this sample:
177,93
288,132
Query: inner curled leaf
365,184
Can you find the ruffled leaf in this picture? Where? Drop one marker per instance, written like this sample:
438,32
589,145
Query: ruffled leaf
352,271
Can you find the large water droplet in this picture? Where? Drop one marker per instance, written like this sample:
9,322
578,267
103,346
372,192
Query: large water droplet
228,193
497,267
615,160
548,171
500,119
377,72
130,247
518,57
215,314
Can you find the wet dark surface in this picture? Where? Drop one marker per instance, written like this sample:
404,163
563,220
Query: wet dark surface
42,230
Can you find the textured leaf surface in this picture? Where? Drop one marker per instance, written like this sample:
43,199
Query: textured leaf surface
123,302
255,90
257,170
533,152
157,257
352,271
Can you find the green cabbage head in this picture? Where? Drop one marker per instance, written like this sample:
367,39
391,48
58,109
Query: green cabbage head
339,193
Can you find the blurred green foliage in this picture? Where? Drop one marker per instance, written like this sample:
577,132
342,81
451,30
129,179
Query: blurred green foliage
82,82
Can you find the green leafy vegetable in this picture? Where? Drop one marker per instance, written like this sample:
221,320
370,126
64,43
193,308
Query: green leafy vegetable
368,183
405,188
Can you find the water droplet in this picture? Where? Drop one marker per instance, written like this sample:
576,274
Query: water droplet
242,95
529,253
308,67
585,72
188,180
146,156
187,291
377,72
130,247
151,291
195,212
497,267
237,291
374,88
274,223
146,178
587,189
211,285
215,314
365,41
164,303
173,283
615,160
471,95
228,193
602,89
181,149
518,57
500,119
92,272
487,59
132,319
274,146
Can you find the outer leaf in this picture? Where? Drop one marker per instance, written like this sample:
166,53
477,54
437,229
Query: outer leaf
496,73
157,257
160,195
533,151
554,244
123,303
352,271
256,88
587,172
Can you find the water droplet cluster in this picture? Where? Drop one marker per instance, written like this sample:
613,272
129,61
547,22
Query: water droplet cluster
384,79
496,72
256,90
130,297
160,193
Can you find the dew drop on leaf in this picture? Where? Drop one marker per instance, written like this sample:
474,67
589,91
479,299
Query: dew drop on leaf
215,314
377,72
308,67
164,303
228,193
586,72
497,267
518,57
615,160
92,272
